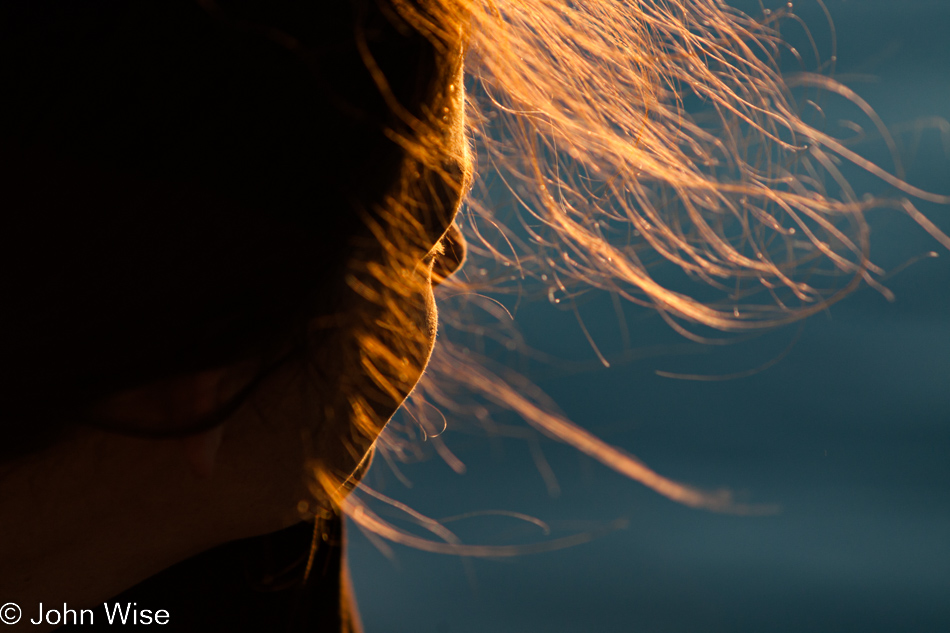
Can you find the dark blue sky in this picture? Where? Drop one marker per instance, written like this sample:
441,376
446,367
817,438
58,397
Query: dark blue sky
849,434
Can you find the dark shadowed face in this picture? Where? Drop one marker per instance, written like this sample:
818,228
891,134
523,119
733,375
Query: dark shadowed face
377,358
396,347
322,416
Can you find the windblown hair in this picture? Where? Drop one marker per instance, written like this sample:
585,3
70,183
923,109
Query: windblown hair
587,111
317,133
590,99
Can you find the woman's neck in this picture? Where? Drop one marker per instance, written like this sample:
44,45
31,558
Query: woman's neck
99,513
86,519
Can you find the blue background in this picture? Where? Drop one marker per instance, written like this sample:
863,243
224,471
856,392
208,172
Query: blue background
849,434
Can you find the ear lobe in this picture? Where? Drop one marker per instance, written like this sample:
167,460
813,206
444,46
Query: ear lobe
201,451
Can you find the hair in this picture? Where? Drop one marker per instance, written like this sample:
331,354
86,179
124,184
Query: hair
587,112
294,153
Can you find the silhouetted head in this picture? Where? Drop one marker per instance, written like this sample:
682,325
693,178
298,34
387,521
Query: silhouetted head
187,187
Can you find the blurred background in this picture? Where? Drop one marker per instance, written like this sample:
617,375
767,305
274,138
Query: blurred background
849,433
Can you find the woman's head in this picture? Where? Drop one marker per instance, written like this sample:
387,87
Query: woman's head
207,203
291,166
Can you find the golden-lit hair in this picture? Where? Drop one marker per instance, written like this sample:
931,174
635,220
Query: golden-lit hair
580,107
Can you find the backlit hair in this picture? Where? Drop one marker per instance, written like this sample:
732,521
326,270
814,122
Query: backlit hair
580,109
